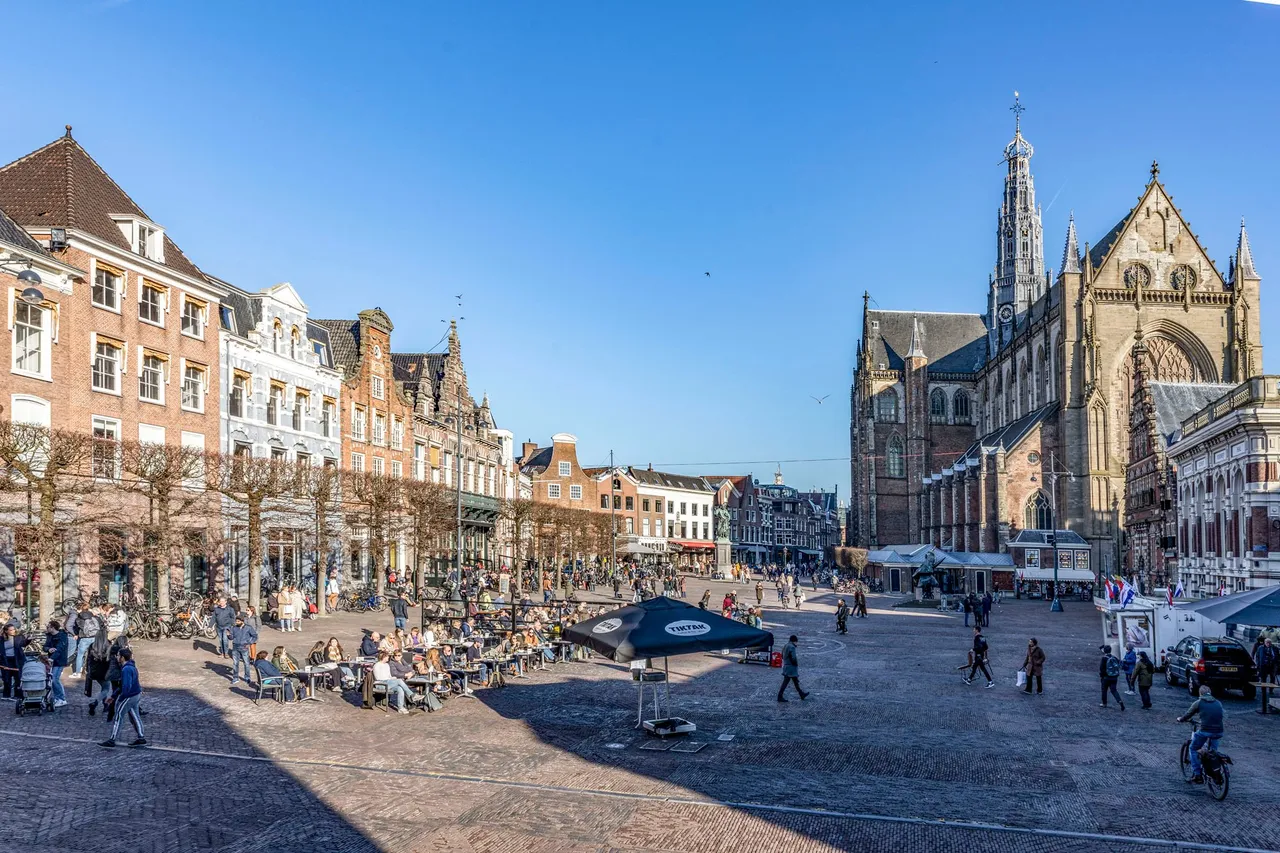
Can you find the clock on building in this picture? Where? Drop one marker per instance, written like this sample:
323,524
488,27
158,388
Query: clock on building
1006,313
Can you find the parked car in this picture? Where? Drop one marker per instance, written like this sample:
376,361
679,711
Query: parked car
1220,662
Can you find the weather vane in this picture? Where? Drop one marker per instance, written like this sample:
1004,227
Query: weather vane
1018,110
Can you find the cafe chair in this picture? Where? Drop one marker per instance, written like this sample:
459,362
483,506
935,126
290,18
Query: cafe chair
380,690
269,684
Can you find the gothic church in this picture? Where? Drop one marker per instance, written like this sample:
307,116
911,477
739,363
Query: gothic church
966,428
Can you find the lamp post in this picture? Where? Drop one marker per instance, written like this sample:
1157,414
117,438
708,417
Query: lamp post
1052,474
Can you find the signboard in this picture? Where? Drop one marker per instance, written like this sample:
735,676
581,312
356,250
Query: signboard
1082,560
1064,559
1033,558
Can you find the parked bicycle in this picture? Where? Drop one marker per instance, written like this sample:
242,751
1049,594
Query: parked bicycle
1215,765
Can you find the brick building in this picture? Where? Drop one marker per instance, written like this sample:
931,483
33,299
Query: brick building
134,350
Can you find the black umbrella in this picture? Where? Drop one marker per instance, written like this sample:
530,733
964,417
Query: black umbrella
661,627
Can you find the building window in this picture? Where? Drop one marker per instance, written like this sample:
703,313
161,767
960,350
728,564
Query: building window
379,428
617,502
397,433
239,394
575,493
275,404
301,401
894,464
705,534
151,378
293,343
553,491
419,461
151,305
357,462
604,501
706,510
565,469
887,406
277,336
30,339
106,367
644,504
318,348
378,465
106,288
397,468
631,526
684,508
106,448
378,390
937,406
303,460
644,526
960,405
657,504
326,419
193,388
1039,515
192,318
359,423
279,456
631,503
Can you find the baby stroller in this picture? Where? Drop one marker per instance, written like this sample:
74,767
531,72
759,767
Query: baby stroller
35,688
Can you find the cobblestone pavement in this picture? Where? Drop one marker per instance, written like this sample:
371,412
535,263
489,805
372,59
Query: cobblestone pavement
893,752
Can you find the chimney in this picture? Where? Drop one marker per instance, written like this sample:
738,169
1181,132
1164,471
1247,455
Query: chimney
528,449
650,466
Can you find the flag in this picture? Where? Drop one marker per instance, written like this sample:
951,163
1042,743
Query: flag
1108,589
1222,590
1178,593
1126,594
1168,591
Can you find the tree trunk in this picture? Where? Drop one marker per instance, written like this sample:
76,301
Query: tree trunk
322,555
419,571
47,553
165,567
378,546
255,551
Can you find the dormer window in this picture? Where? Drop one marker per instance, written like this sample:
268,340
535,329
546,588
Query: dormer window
144,237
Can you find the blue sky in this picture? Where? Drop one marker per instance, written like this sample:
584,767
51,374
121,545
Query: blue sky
574,169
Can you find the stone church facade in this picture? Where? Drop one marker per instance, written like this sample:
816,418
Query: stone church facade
966,428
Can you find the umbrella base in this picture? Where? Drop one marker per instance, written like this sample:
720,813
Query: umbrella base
669,726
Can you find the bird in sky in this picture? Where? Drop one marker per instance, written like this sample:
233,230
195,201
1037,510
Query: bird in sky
707,274
820,399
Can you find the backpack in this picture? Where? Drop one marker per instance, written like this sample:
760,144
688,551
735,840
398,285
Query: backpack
1113,667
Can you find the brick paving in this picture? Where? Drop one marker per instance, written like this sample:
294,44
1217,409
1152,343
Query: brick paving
890,753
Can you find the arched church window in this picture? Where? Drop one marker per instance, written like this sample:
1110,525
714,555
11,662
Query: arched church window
887,406
277,336
937,406
1042,369
1039,513
960,405
894,464
1029,387
1137,275
1097,438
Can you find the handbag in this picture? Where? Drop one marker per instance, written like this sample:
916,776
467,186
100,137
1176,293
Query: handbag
1022,678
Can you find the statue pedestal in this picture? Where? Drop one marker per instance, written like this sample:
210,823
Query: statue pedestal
724,561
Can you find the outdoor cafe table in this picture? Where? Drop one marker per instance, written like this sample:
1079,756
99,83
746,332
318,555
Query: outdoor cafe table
1265,687
311,673
423,683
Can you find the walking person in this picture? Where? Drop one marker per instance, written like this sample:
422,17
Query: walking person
1109,674
1128,665
986,610
759,593
978,658
860,602
1144,673
57,645
241,637
224,619
86,631
706,599
1034,666
791,670
1266,658
12,657
125,700
842,617
400,611
97,667
331,590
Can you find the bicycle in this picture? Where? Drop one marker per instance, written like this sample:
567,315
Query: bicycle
1215,766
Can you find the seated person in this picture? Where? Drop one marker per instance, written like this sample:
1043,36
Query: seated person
287,665
429,637
369,645
389,646
474,659
416,642
398,693
467,628
333,653
449,664
266,669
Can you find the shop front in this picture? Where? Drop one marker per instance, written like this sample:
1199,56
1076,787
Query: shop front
692,554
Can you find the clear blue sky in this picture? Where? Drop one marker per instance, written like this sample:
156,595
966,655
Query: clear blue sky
573,168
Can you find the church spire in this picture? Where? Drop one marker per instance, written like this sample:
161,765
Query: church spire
1071,252
1020,274
1244,257
916,351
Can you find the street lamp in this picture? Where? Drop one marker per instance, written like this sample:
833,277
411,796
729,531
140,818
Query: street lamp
1056,606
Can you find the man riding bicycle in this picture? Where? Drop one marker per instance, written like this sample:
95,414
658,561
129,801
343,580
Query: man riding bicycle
1210,730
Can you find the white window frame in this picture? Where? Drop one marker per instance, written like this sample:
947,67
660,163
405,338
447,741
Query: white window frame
379,466
107,424
201,318
359,423
397,468
121,365
575,492
119,292
357,462
565,469
201,389
419,460
553,491
377,387
379,429
328,418
194,441
162,306
143,355
45,349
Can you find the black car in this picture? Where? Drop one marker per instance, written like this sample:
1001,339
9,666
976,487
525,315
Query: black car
1220,662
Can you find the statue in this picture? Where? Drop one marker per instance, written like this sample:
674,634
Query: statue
722,523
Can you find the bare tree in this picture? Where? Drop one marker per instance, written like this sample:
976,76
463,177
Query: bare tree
519,513
430,512
260,486
375,500
171,478
56,469
321,487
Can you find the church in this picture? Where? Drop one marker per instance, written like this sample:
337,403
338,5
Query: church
968,428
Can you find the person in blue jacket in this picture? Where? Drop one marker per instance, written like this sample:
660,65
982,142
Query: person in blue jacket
1129,664
57,644
125,700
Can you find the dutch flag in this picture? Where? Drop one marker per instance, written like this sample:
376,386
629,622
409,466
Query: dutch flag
1178,593
1126,594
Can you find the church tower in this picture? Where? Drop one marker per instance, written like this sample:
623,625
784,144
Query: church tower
1019,274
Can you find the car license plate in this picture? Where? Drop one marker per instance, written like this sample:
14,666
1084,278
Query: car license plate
1228,669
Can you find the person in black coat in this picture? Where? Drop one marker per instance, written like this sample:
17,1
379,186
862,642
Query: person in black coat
57,644
97,665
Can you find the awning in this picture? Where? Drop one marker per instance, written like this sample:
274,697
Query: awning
658,546
694,546
1039,573
1254,607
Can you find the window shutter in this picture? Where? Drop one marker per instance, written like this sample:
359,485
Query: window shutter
124,359
93,348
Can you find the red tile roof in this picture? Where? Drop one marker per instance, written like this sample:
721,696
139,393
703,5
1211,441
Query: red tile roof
60,185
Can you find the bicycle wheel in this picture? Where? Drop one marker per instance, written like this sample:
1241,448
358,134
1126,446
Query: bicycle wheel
1218,786
1184,759
207,631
